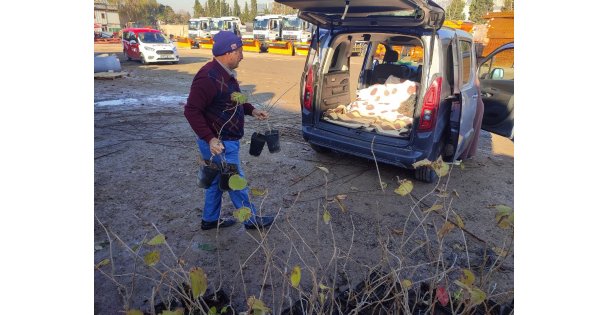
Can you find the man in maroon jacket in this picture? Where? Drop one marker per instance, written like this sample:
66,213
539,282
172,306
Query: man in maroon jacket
219,125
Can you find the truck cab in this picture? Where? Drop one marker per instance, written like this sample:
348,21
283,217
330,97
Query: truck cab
267,28
199,27
227,23
296,29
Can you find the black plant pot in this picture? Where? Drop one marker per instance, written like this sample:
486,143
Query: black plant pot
272,139
257,144
225,175
206,175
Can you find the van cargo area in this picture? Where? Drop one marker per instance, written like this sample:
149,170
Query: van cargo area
381,96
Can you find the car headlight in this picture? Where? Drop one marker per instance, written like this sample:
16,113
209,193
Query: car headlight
149,48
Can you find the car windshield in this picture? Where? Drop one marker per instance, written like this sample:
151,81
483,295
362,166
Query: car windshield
152,38
215,26
260,24
194,25
292,24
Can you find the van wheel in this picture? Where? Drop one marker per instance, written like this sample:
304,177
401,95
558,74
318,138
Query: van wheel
142,59
319,149
425,174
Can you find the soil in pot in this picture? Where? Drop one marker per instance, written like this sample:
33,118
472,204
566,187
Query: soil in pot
226,172
272,139
257,144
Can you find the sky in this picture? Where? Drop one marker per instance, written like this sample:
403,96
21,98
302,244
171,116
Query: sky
187,5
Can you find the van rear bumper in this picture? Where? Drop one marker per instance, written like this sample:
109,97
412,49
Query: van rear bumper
399,156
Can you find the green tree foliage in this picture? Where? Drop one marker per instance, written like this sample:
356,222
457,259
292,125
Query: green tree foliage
246,15
278,8
225,9
147,13
236,9
455,11
198,9
478,9
508,5
254,8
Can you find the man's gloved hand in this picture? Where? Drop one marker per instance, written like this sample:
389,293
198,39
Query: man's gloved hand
216,146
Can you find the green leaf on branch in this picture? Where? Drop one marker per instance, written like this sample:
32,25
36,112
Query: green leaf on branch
296,276
238,97
102,263
468,278
258,192
459,221
198,282
406,283
135,312
405,188
323,287
326,217
504,217
213,311
477,296
152,258
242,214
236,182
434,207
257,306
157,240
179,311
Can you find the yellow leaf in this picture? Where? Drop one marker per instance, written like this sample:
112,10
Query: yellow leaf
178,311
383,185
324,169
341,197
322,297
157,240
477,296
198,282
342,207
499,251
407,283
236,182
242,214
326,217
462,165
258,192
442,169
102,263
152,258
468,278
405,188
323,287
445,229
504,217
397,232
135,312
256,304
434,207
459,222
296,275
421,163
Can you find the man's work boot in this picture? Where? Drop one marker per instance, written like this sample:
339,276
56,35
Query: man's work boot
221,223
259,222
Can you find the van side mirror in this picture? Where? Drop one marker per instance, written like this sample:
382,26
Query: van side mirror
497,74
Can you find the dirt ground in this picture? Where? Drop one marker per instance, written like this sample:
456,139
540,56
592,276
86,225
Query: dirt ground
145,174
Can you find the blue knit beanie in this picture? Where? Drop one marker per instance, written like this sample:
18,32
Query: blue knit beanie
225,42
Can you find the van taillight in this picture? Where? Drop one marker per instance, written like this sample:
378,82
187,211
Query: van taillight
307,95
428,114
